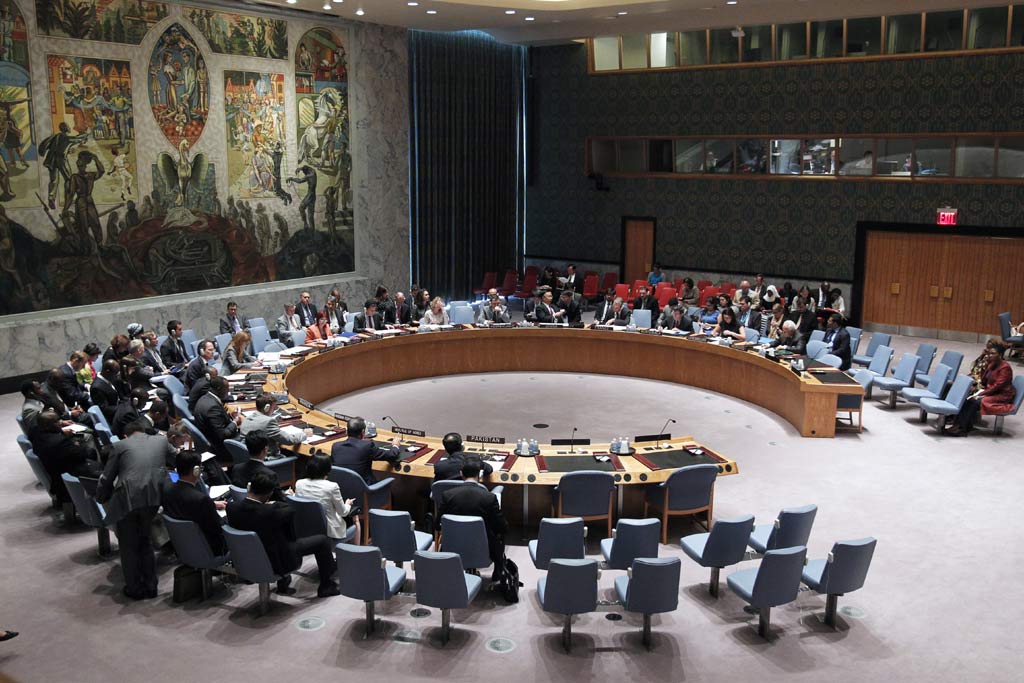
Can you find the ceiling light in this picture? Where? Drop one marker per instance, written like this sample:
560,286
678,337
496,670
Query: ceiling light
731,2
623,12
431,11
360,12
527,18
413,4
292,2
327,5
510,11
337,1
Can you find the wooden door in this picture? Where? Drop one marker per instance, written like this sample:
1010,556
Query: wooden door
885,265
637,248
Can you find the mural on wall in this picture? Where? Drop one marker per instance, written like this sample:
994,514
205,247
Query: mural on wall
321,100
179,86
241,35
113,21
254,118
19,158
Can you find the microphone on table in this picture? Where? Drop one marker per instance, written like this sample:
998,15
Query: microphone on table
392,420
572,443
662,430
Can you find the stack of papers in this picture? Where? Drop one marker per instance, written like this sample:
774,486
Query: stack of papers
237,377
293,432
269,356
207,455
295,350
384,333
76,428
218,491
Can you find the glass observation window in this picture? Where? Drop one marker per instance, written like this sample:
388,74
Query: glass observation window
1017,28
785,157
855,156
659,156
752,156
602,156
1011,156
986,27
693,48
903,34
663,50
894,157
791,41
933,157
718,156
725,47
606,53
975,158
944,31
863,37
631,156
827,39
689,156
818,157
634,52
757,44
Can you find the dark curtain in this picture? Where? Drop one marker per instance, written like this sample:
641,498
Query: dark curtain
467,166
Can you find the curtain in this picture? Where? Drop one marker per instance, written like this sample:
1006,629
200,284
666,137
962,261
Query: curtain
468,158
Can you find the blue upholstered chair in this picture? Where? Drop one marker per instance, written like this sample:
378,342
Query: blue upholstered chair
902,377
877,339
570,587
631,539
223,341
938,378
724,546
199,440
193,550
364,575
776,581
650,587
952,360
104,435
879,364
856,334
1018,387
181,407
251,562
461,315
642,317
298,338
42,476
238,452
438,488
284,468
260,337
925,354
89,511
394,533
23,443
1006,329
830,360
816,335
562,539
257,322
367,496
309,519
791,528
174,386
190,341
97,417
687,491
951,405
21,424
274,347
843,572
467,537
751,335
443,584
236,494
816,348
587,494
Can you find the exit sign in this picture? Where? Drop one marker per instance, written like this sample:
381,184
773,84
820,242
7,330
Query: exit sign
946,216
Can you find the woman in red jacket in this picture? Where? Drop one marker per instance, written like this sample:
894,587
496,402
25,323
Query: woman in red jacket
995,396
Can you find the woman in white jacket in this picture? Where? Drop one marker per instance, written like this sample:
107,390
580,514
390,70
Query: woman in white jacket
318,487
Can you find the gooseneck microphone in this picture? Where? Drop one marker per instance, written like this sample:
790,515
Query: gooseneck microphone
392,420
572,442
662,430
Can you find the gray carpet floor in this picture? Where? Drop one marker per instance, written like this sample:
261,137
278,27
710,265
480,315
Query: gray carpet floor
937,604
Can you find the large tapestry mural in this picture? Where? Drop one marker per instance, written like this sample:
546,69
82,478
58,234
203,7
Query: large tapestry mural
80,224
113,21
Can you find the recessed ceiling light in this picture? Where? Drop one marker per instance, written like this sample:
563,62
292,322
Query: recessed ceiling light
413,4
527,18
431,11
510,11
731,2
327,5
360,12
292,2
337,1
623,12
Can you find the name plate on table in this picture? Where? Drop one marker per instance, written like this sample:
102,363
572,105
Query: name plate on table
341,417
485,439
409,432
306,404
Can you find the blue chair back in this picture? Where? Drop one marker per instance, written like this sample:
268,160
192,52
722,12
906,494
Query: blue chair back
361,573
309,517
925,355
880,360
440,580
24,443
960,390
467,537
831,360
260,337
239,453
298,337
1005,327
878,339
816,335
192,349
438,488
751,335
189,340
847,566
727,542
350,483
642,317
571,587
855,335
248,555
236,494
181,406
905,369
654,586
691,487
274,347
174,385
392,532
105,436
936,380
160,340
865,378
816,348
560,538
90,512
97,417
793,528
223,341
284,468
257,322
952,360
42,476
778,577
1018,397
21,423
461,315
190,545
634,538
585,493
199,440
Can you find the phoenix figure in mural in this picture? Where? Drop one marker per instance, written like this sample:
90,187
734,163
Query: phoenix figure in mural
186,175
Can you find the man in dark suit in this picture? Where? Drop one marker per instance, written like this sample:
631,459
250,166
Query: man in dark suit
806,321
476,501
791,339
241,475
273,522
400,313
618,315
199,367
605,307
51,398
60,453
369,319
151,354
545,311
648,302
184,500
450,467
748,316
568,310
200,387
358,455
107,389
129,411
70,390
213,419
306,310
494,312
838,340
232,322
680,321
821,296
172,351
334,317
573,280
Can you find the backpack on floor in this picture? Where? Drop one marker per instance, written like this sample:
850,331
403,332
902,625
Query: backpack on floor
510,583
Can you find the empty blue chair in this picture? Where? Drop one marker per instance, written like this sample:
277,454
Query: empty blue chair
642,317
160,340
260,337
298,337
925,354
558,539
37,469
816,348
239,453
193,349
23,443
461,315
587,494
284,468
687,491
724,546
104,435
89,511
181,407
251,562
199,440
363,575
843,572
952,360
830,360
192,548
1006,330
369,497
877,339
631,539
467,537
776,581
1018,387
274,347
938,377
816,335
791,528
257,322
751,335
395,534
570,587
190,340
902,378
222,342
97,417
174,385
443,584
650,587
879,364
855,336
951,405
